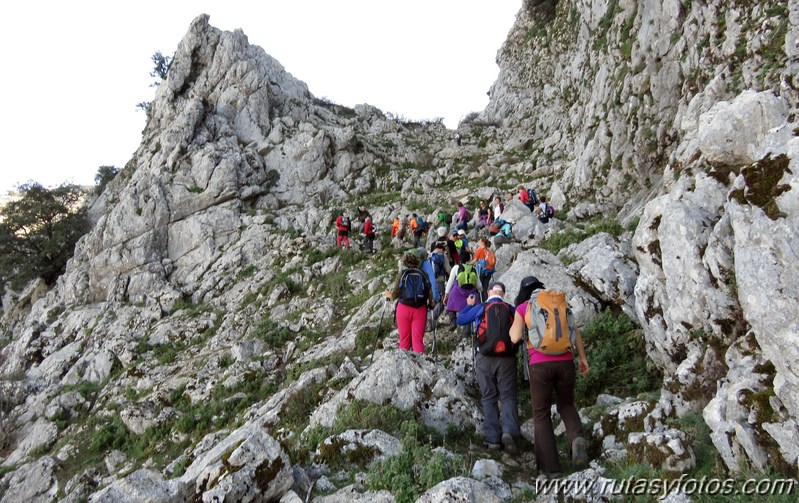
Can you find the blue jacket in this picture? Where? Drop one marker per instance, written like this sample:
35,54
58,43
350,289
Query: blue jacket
427,267
475,312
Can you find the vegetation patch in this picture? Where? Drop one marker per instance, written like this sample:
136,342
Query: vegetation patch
763,185
619,363
580,232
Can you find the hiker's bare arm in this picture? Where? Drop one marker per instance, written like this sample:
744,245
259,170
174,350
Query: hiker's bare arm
517,329
582,360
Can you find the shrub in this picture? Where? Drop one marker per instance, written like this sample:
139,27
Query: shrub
619,363
410,473
273,333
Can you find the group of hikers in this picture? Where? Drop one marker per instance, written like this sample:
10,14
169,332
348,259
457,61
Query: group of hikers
454,276
486,221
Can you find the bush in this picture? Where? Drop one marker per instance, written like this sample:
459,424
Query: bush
418,468
619,363
103,177
273,333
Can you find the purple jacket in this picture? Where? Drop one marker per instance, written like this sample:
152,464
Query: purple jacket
457,298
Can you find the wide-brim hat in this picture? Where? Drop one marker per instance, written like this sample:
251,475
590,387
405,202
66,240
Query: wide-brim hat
442,231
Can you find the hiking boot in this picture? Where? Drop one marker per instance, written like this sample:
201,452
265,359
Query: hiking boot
510,443
579,453
492,446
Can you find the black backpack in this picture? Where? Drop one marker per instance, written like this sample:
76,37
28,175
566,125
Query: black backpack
414,288
493,333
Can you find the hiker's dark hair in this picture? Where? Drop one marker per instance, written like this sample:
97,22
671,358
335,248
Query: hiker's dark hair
526,287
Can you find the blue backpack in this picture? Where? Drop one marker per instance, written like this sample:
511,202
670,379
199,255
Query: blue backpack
533,196
437,261
414,288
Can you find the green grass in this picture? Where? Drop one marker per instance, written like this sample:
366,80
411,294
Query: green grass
273,333
580,232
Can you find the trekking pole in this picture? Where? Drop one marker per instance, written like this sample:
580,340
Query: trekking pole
435,327
474,347
377,337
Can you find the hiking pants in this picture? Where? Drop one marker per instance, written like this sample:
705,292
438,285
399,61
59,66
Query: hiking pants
496,376
342,239
484,280
369,243
546,377
411,323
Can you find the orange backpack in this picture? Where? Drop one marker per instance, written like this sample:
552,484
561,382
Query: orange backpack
550,326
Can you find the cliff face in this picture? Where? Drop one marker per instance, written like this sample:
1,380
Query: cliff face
602,91
207,327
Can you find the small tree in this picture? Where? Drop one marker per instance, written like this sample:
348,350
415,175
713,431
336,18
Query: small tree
103,177
160,69
38,233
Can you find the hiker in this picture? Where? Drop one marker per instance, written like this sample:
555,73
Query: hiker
448,244
395,225
360,219
396,242
485,261
463,217
458,138
548,373
524,197
462,282
412,226
343,226
483,216
428,266
403,228
368,235
462,245
498,208
544,211
441,271
419,231
444,219
414,294
495,366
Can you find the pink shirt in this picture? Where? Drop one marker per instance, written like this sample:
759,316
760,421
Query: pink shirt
535,356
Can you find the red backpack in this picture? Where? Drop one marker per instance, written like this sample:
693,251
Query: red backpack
493,333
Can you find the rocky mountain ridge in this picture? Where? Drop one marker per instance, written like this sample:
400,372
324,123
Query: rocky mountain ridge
207,340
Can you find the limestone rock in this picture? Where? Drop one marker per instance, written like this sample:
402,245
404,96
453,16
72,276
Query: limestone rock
667,450
248,464
459,489
33,482
362,447
407,380
142,485
605,267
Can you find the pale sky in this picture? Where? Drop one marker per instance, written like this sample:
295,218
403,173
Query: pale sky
73,71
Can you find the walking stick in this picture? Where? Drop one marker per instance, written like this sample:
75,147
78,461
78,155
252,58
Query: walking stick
435,327
377,336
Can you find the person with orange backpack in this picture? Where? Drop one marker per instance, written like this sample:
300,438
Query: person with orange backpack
546,324
485,262
495,366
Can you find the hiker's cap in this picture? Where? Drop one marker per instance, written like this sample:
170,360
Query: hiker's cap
532,281
461,232
498,285
442,231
